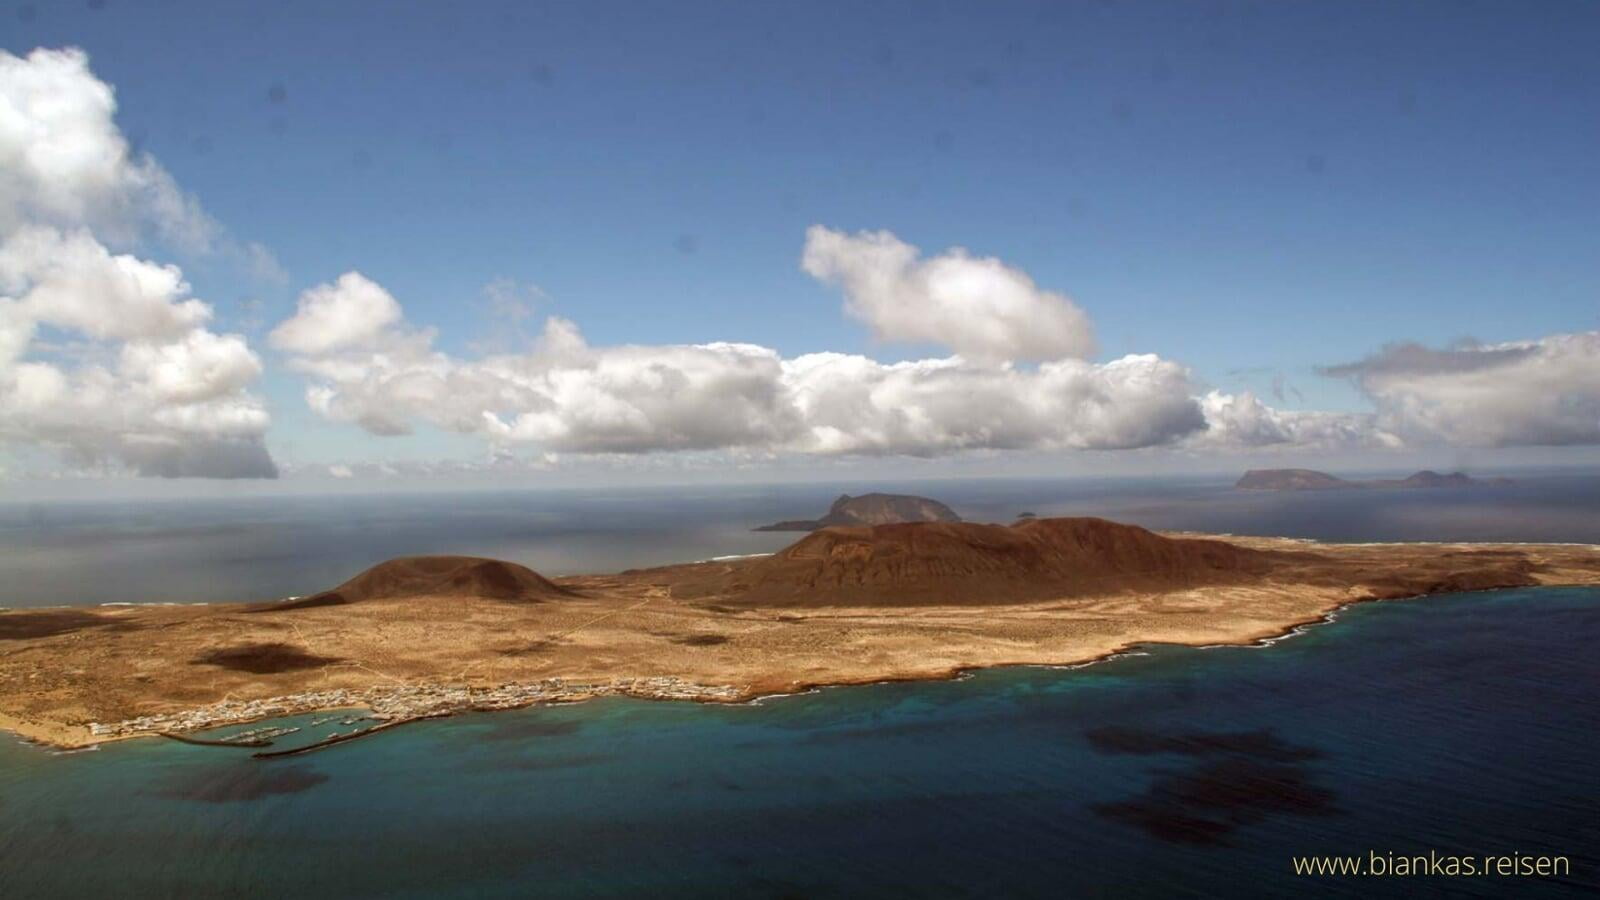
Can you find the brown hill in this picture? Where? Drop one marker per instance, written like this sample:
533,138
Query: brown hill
1290,480
1430,479
967,563
872,509
1311,480
423,576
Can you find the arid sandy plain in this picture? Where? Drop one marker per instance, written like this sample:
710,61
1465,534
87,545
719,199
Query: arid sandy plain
840,606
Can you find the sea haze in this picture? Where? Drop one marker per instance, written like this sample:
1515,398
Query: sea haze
85,553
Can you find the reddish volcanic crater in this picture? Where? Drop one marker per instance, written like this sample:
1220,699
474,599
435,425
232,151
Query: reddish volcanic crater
425,576
969,563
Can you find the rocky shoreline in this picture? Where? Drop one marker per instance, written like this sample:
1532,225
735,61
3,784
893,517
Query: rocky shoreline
411,701
842,606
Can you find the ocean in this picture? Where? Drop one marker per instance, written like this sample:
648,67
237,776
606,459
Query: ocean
1454,724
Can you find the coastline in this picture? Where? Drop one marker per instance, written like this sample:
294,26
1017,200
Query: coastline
52,737
78,681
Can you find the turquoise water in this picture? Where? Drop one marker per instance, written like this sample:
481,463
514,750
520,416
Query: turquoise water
1462,724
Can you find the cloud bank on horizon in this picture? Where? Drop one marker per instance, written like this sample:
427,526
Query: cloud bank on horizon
106,358
368,366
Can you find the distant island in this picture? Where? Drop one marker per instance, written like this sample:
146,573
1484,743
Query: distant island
872,509
1312,480
419,637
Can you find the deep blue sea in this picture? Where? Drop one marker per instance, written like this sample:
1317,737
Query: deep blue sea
1461,724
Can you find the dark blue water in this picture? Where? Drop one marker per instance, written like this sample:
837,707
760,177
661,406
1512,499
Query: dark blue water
1460,724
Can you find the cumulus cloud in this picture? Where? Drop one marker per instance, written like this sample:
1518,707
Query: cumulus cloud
568,396
565,395
148,386
73,282
367,365
979,307
1242,421
351,312
1536,392
105,356
64,162
856,405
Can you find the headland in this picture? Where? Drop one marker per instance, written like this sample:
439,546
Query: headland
426,636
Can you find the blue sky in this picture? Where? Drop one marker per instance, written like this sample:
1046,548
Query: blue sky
1249,189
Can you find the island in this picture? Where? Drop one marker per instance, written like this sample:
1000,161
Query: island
872,509
1312,480
419,637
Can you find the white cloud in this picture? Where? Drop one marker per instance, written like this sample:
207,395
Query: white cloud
1241,421
979,307
368,366
105,357
1535,392
198,367
148,386
70,281
569,397
64,162
350,313
855,405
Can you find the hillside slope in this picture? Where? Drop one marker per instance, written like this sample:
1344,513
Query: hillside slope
970,563
872,509
423,576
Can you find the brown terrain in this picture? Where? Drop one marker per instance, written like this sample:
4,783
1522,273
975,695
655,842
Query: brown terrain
431,635
966,563
872,509
1312,480
434,576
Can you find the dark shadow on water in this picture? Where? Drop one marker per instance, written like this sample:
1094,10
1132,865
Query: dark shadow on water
1167,822
541,763
873,731
531,728
237,784
1236,779
1262,744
